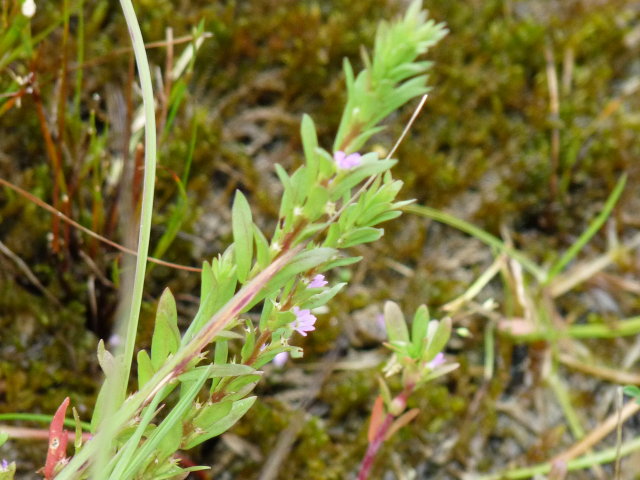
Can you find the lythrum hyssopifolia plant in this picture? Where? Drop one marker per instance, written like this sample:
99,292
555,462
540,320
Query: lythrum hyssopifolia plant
190,388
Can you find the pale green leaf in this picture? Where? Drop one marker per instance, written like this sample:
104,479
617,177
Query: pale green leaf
238,410
263,253
105,359
211,413
439,333
323,297
419,330
360,236
166,336
309,144
396,326
222,370
145,369
242,226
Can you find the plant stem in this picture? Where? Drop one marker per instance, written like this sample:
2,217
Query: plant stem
373,448
400,403
262,339
173,367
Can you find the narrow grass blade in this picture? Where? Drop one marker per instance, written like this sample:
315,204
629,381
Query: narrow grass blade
478,233
593,228
587,461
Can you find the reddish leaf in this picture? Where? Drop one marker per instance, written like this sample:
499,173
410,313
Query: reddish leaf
402,421
377,416
58,438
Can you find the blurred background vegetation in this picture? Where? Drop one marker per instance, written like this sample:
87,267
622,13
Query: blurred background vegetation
532,119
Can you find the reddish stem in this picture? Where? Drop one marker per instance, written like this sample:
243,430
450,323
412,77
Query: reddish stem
400,403
373,448
262,339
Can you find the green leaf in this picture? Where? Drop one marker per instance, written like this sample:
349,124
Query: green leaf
419,330
281,319
357,143
145,368
294,194
333,235
77,441
211,413
311,230
130,439
238,410
166,427
345,122
222,290
339,262
296,352
323,297
228,335
240,387
166,336
99,409
174,472
215,371
221,353
438,372
220,356
105,359
325,163
207,281
360,236
438,333
385,217
316,203
358,174
249,342
170,442
283,176
263,254
267,308
309,144
242,226
631,390
384,391
396,326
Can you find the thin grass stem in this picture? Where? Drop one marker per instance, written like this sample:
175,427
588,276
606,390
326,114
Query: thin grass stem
593,228
587,461
480,234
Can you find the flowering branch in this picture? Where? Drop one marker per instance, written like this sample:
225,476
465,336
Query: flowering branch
320,216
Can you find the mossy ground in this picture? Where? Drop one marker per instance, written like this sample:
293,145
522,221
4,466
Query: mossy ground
483,149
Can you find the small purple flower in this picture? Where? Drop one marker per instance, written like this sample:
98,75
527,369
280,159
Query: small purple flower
4,467
318,281
347,162
437,361
304,321
280,359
